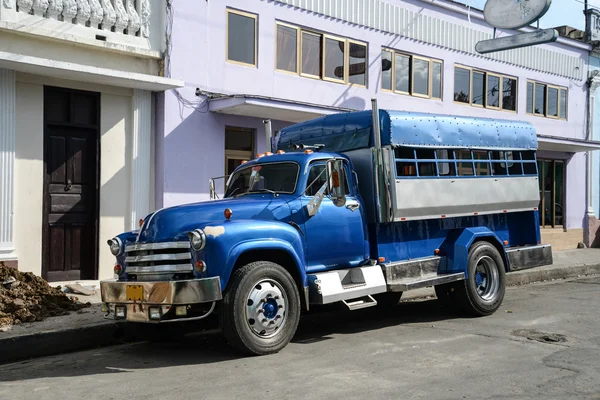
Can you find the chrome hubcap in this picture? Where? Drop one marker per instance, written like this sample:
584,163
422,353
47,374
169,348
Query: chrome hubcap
486,278
266,308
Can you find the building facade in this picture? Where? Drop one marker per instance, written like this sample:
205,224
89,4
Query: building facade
77,98
292,60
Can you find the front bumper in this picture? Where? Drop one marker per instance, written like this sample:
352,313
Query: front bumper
137,298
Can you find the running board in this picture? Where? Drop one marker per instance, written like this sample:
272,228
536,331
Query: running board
347,284
362,302
403,285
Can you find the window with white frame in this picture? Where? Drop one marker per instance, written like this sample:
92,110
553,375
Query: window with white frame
242,37
411,74
486,89
546,100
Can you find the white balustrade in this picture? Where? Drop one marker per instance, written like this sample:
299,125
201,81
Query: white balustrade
131,17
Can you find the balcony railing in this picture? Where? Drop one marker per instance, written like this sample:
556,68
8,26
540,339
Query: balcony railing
128,17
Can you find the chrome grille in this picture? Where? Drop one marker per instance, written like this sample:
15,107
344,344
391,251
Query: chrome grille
152,258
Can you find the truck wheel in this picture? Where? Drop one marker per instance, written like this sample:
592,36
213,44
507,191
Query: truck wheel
482,293
261,308
387,299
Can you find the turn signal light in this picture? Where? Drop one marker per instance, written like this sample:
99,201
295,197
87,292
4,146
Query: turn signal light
308,151
280,152
118,269
381,259
141,222
200,266
260,155
227,213
268,153
506,242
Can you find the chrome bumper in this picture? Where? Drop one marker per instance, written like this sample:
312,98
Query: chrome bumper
136,296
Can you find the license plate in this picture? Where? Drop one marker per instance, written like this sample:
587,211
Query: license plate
134,292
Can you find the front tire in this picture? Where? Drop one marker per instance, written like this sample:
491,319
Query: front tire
261,308
483,291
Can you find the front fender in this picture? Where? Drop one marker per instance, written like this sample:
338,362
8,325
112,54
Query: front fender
456,248
227,241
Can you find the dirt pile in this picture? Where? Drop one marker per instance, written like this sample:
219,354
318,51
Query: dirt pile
25,297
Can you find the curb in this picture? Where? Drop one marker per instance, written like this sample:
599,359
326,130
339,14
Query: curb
104,334
18,348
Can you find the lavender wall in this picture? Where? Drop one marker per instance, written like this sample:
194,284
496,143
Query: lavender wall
191,142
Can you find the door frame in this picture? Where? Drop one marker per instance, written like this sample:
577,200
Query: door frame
93,269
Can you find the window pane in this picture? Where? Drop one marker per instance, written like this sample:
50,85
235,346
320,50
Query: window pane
238,140
558,190
311,54
386,70
530,97
316,178
540,99
358,64
421,77
278,177
436,84
334,58
547,191
287,43
402,73
552,102
462,85
241,38
509,94
493,91
478,87
563,103
464,168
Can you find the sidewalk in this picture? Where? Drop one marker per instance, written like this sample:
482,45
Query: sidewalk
87,329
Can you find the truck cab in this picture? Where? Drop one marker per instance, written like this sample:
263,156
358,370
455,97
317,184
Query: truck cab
336,214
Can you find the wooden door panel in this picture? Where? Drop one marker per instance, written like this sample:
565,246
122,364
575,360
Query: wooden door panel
71,184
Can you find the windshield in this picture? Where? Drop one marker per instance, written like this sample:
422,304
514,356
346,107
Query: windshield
274,178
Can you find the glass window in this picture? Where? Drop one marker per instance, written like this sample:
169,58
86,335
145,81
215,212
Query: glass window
386,70
239,147
263,178
436,80
529,97
426,168
241,37
478,88
482,167
317,177
552,102
402,73
509,94
464,168
335,51
421,76
540,99
563,103
493,91
357,64
445,168
462,85
311,54
287,48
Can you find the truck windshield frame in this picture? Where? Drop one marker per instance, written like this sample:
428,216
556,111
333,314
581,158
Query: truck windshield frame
247,180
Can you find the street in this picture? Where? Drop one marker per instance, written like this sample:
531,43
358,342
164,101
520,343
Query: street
543,343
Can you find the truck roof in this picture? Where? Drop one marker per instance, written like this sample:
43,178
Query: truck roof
298,157
353,130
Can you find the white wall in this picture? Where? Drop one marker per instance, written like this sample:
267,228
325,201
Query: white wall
115,146
29,176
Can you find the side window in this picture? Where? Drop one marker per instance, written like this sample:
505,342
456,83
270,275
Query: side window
317,177
465,168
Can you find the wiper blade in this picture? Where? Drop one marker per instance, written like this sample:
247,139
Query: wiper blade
263,190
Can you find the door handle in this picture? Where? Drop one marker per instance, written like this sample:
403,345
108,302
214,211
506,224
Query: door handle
353,206
69,185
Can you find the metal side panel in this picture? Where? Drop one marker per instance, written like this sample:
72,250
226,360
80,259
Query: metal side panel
432,280
332,286
529,257
411,269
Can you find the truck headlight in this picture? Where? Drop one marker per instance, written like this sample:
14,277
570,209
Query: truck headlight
197,239
116,246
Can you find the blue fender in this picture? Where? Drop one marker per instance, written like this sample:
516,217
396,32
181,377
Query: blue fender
455,248
239,236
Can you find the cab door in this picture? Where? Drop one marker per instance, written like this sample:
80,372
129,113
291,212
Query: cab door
335,236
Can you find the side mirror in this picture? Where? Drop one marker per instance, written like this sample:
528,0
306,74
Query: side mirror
336,176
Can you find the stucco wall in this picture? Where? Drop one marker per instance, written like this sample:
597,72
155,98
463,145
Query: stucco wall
115,125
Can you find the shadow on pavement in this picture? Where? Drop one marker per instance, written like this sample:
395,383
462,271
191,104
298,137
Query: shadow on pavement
210,346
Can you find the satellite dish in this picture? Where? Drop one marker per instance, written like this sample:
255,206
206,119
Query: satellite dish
514,14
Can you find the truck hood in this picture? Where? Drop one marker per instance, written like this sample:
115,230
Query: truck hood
173,223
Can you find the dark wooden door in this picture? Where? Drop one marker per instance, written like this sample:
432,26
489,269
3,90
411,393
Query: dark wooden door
71,187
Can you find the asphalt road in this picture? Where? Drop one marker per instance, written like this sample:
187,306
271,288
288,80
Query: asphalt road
414,351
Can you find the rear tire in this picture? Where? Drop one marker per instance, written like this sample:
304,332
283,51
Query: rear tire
482,292
261,308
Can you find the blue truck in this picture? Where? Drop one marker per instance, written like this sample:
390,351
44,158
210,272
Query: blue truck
351,208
